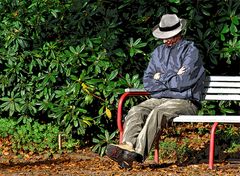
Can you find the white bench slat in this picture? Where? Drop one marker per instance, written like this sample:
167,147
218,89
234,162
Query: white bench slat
134,90
222,90
222,84
223,78
208,118
221,97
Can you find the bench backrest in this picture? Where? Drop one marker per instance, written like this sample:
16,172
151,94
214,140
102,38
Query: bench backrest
216,88
222,88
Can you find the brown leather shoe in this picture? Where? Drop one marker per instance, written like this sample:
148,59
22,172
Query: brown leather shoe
122,156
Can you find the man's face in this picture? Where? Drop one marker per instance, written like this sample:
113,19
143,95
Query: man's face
171,41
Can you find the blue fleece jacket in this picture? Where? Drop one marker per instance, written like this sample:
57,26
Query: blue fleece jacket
167,61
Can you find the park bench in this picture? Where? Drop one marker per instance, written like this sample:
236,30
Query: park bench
216,88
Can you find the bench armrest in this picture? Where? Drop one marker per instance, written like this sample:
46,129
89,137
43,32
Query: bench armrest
128,92
135,90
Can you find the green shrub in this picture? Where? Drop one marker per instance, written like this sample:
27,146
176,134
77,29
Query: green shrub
67,62
32,137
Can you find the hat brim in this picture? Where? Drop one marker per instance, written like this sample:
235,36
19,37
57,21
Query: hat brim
165,35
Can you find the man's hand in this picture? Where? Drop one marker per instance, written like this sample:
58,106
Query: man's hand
181,70
157,76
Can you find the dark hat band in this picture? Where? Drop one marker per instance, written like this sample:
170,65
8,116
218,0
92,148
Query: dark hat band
165,29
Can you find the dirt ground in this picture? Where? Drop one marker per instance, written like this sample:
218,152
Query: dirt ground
86,163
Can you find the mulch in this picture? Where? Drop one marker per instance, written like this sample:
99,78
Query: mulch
86,163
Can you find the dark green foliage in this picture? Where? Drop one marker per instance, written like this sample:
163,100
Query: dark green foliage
102,140
31,136
67,62
228,140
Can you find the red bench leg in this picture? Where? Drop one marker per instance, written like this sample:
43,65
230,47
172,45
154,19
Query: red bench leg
119,115
156,151
211,149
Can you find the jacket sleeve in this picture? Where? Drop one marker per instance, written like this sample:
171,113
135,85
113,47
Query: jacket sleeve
150,84
170,80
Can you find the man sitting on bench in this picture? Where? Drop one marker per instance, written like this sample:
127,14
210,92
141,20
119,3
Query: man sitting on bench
175,78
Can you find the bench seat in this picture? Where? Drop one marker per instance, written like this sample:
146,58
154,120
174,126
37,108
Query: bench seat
208,118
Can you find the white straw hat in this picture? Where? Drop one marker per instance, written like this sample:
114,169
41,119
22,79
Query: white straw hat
169,26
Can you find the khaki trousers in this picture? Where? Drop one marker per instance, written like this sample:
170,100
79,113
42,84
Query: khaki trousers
144,121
